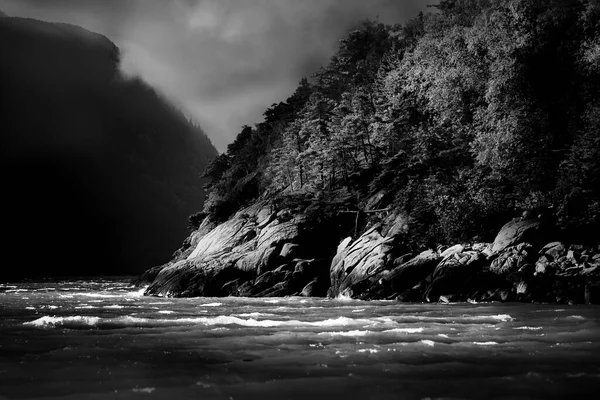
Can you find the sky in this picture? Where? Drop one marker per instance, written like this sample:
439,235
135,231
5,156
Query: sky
223,62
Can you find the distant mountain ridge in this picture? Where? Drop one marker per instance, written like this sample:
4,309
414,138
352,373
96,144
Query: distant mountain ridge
99,171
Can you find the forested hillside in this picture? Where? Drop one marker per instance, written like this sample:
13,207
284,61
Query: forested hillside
460,119
99,171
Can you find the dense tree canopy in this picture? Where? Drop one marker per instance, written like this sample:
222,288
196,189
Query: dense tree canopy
464,117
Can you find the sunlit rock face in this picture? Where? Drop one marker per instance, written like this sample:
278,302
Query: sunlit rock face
261,251
99,173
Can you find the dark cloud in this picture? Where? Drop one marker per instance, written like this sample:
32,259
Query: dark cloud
222,61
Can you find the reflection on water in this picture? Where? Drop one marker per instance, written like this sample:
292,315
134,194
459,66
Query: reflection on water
102,339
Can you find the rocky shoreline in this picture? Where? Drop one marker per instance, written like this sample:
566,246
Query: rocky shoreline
269,251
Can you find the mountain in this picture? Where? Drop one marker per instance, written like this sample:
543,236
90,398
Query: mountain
99,172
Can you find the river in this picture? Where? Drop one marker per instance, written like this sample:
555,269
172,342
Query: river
101,339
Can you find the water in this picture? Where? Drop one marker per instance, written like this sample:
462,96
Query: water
103,340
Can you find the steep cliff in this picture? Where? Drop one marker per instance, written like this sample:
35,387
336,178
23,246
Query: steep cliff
99,172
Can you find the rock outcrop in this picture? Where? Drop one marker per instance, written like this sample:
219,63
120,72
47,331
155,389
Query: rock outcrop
266,252
260,251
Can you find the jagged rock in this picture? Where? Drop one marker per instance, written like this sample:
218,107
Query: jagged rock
279,289
359,261
290,251
285,268
514,259
555,250
518,231
237,246
402,259
458,248
542,264
484,248
450,275
408,274
231,287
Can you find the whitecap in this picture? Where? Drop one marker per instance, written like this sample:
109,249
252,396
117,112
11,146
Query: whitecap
211,305
576,316
443,335
404,330
485,343
346,333
254,315
166,312
137,293
30,308
359,310
272,301
528,328
344,297
113,306
428,342
48,321
128,321
372,351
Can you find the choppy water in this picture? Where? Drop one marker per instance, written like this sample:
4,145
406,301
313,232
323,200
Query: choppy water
103,340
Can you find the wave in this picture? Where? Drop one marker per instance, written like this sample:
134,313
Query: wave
130,321
210,305
347,333
528,328
405,330
393,325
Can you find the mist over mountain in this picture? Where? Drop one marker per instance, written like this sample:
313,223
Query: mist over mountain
99,172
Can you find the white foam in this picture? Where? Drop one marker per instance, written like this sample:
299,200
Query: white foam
528,328
114,306
87,306
443,335
372,351
485,343
344,297
166,312
125,321
211,305
254,315
272,301
30,308
428,342
348,333
405,330
48,321
359,310
576,316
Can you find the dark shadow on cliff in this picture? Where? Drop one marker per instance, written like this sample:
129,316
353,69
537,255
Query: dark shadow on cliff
99,172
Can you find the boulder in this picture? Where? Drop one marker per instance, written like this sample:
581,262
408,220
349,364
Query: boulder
452,250
518,231
359,261
554,250
405,276
289,251
514,259
451,274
